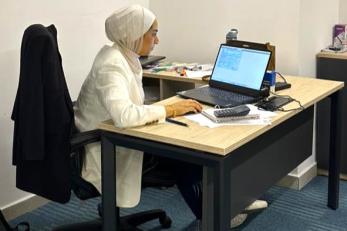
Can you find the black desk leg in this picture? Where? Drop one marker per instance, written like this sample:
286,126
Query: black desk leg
222,197
108,171
216,198
335,149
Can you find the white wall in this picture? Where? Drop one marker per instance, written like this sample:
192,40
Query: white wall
343,12
195,28
80,25
192,31
317,19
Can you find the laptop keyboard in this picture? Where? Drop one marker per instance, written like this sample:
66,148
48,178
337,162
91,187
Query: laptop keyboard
226,95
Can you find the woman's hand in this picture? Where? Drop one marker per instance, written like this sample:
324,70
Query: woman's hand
182,107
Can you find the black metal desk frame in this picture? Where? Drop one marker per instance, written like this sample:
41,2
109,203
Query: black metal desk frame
233,181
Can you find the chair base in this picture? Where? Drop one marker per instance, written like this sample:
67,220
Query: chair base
95,225
127,223
136,219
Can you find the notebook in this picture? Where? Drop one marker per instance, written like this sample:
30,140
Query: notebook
237,76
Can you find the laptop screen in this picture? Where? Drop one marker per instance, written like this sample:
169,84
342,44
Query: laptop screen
241,66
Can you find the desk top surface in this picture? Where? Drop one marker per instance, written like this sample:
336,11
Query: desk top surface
332,55
171,75
222,140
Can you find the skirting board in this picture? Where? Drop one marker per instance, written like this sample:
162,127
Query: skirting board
323,172
23,206
298,182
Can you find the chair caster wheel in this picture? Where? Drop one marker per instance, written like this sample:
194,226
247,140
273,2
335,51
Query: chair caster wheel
165,222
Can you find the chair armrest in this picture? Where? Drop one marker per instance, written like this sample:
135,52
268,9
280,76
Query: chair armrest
80,139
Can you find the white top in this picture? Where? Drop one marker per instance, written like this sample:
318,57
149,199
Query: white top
112,90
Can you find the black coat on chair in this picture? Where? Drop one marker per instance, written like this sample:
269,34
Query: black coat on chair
43,118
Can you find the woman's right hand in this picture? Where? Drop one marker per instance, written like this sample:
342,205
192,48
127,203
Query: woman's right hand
182,107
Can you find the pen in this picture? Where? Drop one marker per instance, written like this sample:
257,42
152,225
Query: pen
176,122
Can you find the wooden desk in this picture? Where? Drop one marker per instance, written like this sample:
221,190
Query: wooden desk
240,163
170,82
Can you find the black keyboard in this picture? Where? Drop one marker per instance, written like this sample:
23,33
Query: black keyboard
226,95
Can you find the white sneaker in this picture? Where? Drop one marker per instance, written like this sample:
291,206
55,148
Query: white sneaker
256,206
238,220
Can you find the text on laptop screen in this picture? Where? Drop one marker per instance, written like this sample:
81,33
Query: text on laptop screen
241,66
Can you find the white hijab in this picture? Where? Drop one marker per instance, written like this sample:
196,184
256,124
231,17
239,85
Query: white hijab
126,27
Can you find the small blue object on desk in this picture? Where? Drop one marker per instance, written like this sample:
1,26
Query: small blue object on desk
176,122
270,78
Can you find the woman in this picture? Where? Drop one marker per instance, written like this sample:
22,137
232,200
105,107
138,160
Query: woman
113,90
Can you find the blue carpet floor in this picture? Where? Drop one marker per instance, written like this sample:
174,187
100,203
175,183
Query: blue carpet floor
289,210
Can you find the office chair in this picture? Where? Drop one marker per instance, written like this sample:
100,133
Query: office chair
47,148
85,190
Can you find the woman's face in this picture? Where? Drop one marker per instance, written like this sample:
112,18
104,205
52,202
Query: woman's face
150,38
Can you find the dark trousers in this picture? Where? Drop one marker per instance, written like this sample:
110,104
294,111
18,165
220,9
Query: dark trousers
188,178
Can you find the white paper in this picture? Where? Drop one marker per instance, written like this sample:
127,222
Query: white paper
198,74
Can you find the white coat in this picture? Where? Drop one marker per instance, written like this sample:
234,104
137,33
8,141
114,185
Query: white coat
113,91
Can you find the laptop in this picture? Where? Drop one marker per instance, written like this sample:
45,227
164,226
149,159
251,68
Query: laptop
148,60
237,76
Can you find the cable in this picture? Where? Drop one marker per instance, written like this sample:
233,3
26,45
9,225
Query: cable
284,79
339,39
289,97
283,96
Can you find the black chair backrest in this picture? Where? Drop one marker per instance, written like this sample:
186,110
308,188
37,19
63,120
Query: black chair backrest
43,117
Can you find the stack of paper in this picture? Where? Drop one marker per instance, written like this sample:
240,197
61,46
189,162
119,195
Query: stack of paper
256,117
